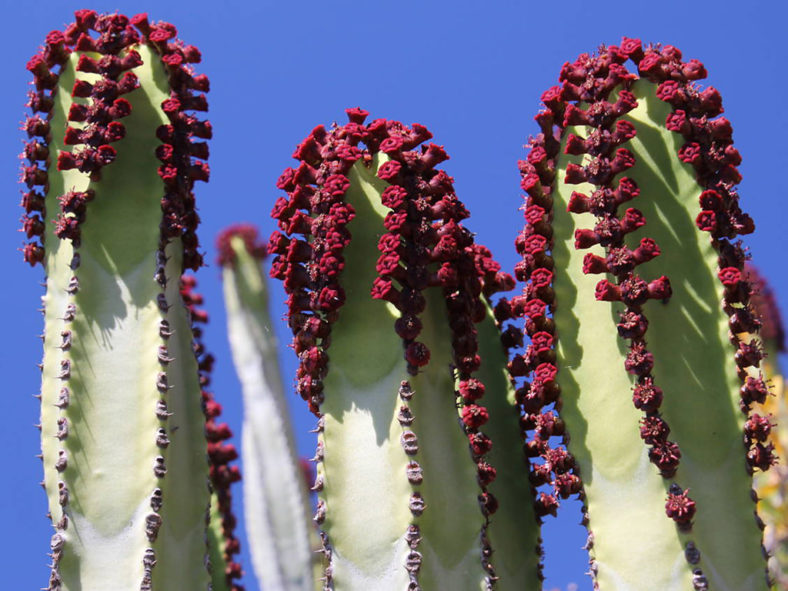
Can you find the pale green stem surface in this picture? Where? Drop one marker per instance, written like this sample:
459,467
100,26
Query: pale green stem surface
275,502
635,545
366,490
111,444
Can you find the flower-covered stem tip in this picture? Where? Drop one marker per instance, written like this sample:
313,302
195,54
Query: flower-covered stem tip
365,191
109,388
248,234
619,151
99,96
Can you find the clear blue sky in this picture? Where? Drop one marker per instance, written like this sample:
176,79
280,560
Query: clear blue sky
472,72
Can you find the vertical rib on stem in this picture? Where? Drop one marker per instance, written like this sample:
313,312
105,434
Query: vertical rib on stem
276,506
124,445
223,544
615,147
400,412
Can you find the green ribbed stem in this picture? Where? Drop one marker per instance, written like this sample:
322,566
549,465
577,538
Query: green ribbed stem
216,540
635,545
111,446
276,506
366,491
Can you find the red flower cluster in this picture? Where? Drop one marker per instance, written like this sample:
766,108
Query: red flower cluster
552,466
424,245
113,37
247,233
709,150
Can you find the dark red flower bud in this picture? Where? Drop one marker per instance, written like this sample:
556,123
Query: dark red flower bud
594,264
680,507
357,115
646,396
660,289
607,292
474,416
417,354
480,443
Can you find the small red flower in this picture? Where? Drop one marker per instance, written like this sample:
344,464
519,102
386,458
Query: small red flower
171,106
762,456
393,196
670,91
651,65
391,145
631,47
474,416
654,430
534,214
480,443
545,373
646,396
534,309
542,341
677,121
729,276
336,185
679,507
691,153
534,244
665,455
542,278
389,170
707,221
757,427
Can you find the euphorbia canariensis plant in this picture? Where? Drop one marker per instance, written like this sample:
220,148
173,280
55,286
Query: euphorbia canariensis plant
641,343
437,455
400,361
114,150
275,492
637,307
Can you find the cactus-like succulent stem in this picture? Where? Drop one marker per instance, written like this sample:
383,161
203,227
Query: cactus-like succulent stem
276,505
400,412
123,432
605,135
